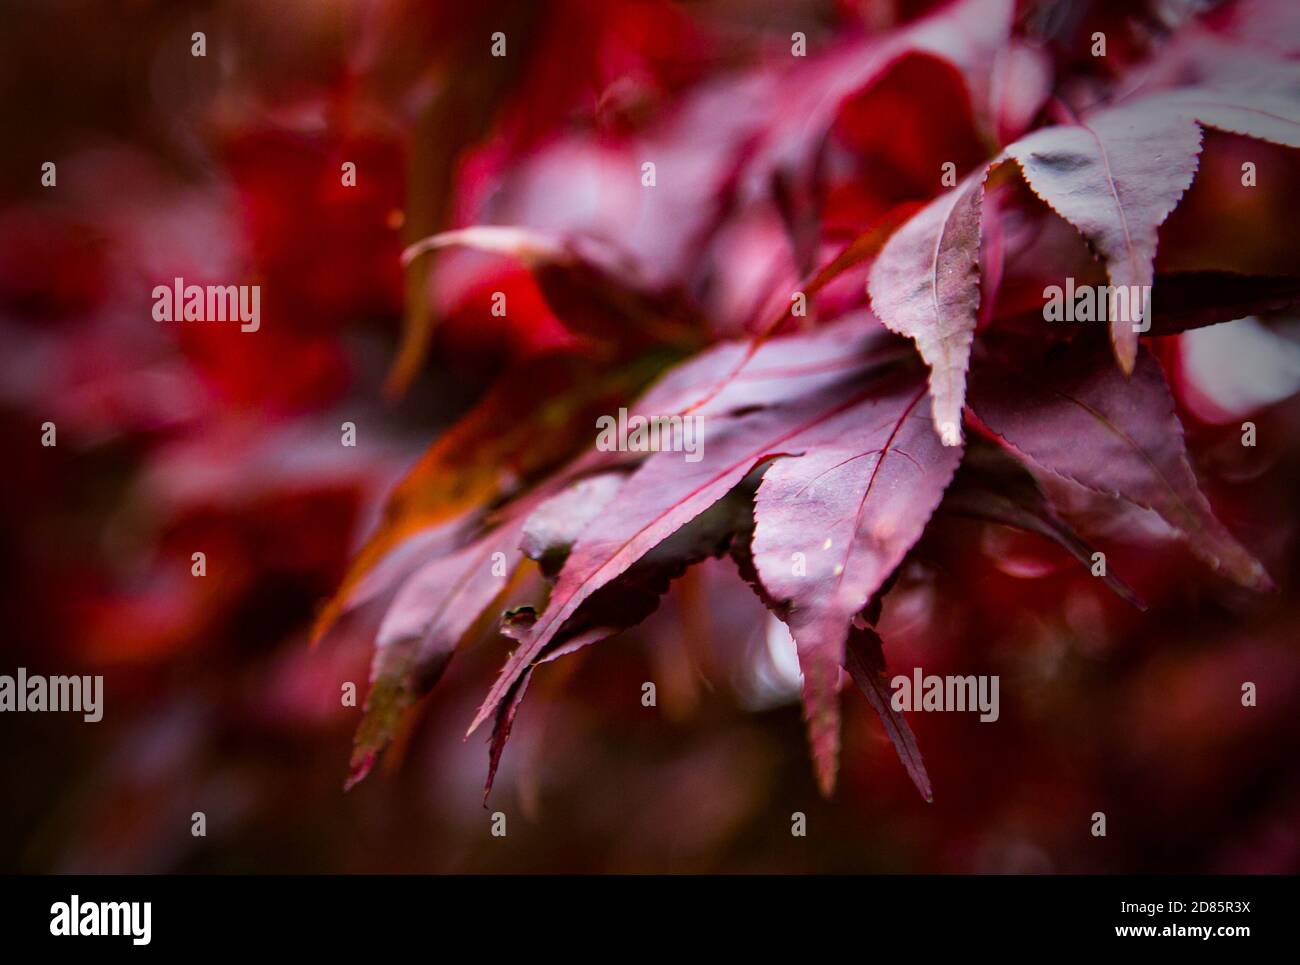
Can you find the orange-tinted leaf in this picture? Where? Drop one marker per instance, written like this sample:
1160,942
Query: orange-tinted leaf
535,416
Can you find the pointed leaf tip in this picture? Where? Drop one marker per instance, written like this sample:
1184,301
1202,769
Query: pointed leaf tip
926,285
865,662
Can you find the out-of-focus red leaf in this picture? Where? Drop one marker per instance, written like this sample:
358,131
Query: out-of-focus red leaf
592,290
965,34
460,111
924,104
288,187
1020,86
1247,218
952,48
860,250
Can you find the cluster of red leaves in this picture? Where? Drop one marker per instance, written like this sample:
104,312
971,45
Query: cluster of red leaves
832,447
